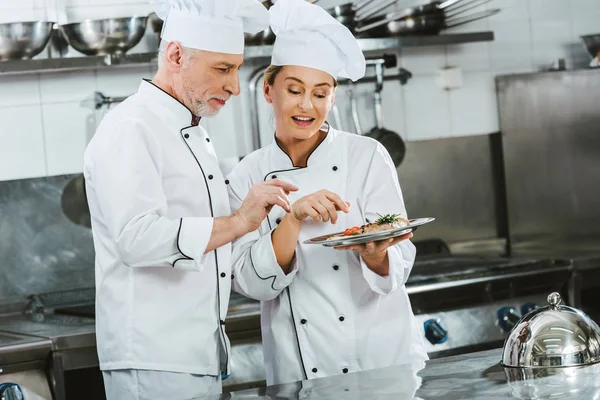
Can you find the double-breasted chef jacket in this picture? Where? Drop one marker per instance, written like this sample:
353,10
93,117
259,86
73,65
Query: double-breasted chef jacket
331,314
154,186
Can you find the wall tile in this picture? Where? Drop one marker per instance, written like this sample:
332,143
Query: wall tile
473,106
427,109
12,4
512,10
469,57
121,82
18,90
21,15
67,127
512,45
551,41
76,14
392,108
67,86
548,10
21,143
424,60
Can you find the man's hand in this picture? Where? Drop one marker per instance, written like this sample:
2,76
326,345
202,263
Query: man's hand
320,206
374,254
259,201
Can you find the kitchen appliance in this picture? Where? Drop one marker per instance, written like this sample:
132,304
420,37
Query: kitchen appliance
553,336
23,40
105,36
467,303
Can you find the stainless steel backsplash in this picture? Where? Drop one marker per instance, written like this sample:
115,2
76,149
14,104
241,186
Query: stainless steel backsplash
459,182
40,249
550,124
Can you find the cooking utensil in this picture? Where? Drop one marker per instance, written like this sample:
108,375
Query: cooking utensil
552,336
156,24
354,110
432,24
23,40
105,36
74,204
368,237
265,37
337,117
433,7
58,46
393,142
347,13
462,7
592,44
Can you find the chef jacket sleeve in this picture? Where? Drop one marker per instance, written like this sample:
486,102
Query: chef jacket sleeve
384,196
123,174
256,272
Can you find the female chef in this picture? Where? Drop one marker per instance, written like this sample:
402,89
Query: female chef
325,311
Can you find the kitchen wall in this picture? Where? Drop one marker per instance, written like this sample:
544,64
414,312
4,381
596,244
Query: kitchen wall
47,119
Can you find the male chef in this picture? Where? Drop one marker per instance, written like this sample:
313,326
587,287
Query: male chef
161,220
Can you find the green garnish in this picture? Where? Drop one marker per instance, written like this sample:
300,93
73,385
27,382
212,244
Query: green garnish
387,219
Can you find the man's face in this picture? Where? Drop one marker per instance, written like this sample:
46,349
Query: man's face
207,80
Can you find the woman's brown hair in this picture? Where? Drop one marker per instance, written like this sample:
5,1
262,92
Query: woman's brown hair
274,70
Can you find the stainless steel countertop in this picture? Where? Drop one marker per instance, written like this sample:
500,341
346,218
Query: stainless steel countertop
584,253
16,348
470,376
64,332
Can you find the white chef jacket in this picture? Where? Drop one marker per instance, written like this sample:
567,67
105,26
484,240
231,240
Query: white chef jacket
331,314
153,186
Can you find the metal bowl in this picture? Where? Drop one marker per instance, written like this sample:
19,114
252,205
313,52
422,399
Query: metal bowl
592,43
266,37
23,40
552,336
105,36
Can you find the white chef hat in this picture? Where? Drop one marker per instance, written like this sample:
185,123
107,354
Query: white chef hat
309,36
212,25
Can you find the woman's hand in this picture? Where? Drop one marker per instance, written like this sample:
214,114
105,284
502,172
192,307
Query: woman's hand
320,206
374,254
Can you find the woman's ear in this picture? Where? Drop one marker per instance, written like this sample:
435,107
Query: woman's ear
267,92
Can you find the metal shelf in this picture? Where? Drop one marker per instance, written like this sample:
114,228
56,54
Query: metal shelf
141,59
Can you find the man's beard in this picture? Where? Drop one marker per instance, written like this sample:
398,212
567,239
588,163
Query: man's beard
202,109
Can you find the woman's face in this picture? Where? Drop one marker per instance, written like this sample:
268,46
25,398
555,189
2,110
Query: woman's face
301,98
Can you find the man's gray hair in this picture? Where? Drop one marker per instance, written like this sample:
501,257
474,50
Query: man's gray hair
162,50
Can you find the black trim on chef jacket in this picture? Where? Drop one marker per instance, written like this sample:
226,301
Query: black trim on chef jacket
256,272
212,214
271,228
311,153
287,289
194,120
185,256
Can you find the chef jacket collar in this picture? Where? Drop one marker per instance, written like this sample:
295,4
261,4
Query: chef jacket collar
178,113
316,157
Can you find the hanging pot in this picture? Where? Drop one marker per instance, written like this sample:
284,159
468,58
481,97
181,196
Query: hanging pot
392,142
348,14
431,24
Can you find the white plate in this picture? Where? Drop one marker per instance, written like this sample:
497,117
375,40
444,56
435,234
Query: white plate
368,237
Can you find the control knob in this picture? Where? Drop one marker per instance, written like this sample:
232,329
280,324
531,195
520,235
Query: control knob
507,318
435,331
